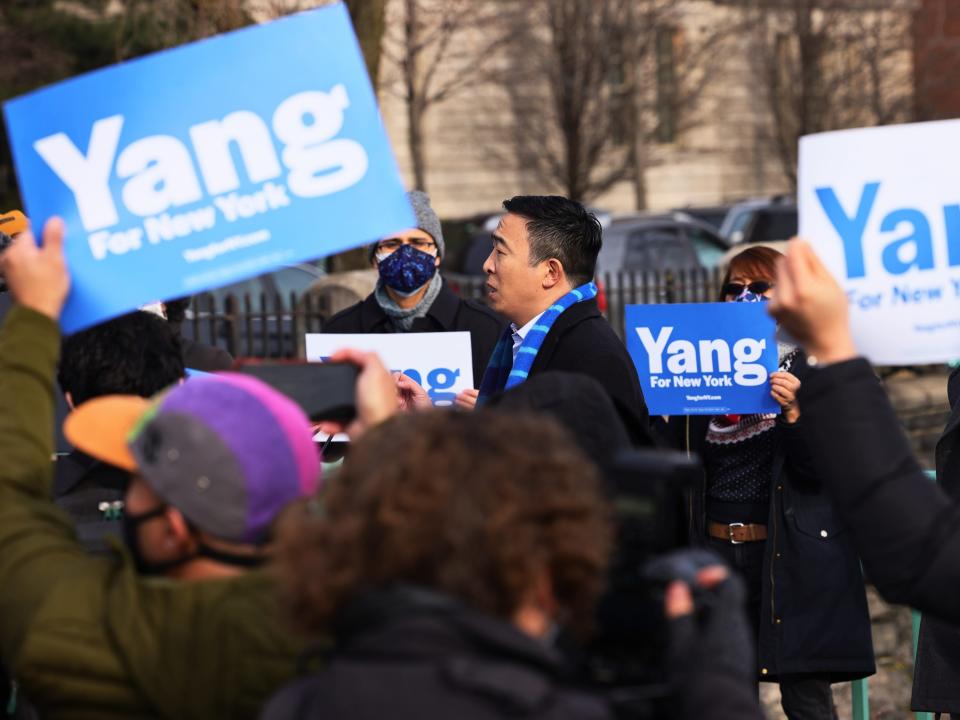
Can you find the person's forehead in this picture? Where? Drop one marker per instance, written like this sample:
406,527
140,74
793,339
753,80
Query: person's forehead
512,227
408,233
749,273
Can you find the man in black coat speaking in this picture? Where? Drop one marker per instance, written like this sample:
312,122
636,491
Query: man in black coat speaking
539,276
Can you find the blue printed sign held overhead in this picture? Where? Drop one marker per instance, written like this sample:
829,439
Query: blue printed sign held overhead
703,359
212,162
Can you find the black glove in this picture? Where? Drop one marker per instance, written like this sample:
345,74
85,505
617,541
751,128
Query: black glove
710,652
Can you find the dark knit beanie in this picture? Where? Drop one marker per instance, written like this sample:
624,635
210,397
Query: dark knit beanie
427,221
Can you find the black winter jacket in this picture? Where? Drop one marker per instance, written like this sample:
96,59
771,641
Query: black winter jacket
411,654
447,313
906,528
414,655
813,613
936,673
582,341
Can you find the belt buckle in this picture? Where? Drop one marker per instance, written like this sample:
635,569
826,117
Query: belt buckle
730,529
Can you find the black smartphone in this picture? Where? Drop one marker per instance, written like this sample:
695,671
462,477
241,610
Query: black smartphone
325,391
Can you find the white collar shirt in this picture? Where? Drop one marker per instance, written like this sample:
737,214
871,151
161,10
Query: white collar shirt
520,333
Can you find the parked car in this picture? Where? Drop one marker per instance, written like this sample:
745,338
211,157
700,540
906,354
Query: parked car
638,251
268,330
712,215
770,222
672,241
761,220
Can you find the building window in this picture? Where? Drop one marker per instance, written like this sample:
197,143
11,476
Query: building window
667,44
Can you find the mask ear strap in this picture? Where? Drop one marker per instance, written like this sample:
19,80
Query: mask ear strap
228,558
148,515
222,556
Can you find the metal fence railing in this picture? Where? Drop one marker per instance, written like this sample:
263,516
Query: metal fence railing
273,326
262,326
634,287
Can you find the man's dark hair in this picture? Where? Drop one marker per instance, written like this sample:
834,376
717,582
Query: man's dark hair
135,354
563,229
176,310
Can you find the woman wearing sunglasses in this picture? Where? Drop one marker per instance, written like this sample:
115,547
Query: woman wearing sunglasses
762,508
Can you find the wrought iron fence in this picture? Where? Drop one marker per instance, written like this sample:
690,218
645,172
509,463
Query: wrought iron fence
261,326
273,326
619,289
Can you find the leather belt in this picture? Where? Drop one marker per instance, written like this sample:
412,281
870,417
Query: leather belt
737,533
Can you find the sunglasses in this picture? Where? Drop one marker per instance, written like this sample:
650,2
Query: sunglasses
758,287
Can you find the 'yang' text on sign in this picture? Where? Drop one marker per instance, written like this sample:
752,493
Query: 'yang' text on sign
441,363
206,164
880,206
703,359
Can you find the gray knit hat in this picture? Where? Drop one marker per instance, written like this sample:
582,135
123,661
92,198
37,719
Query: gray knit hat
427,221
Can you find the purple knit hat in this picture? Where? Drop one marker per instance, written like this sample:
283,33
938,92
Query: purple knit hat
229,452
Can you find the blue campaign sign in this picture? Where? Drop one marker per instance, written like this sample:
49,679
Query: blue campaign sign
704,359
202,165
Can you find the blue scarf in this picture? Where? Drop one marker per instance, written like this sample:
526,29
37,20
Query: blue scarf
503,372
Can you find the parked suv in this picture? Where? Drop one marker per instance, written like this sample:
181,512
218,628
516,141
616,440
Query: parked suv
672,241
761,221
638,251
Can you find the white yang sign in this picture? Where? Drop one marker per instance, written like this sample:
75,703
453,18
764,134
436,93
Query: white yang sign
881,206
442,363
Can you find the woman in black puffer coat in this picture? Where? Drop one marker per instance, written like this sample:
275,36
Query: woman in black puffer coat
762,507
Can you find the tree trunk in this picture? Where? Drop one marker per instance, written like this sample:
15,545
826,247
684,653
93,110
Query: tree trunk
369,22
638,152
415,141
414,95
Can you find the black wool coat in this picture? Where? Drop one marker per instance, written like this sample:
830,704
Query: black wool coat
936,673
416,654
581,341
906,528
448,313
813,613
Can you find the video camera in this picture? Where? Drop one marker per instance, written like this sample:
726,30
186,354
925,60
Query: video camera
650,491
11,224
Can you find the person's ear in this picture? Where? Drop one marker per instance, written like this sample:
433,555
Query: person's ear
68,396
179,535
553,274
436,261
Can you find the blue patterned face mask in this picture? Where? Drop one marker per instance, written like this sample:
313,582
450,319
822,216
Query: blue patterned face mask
406,270
747,296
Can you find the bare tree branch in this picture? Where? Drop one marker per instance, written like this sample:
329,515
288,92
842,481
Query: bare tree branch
829,64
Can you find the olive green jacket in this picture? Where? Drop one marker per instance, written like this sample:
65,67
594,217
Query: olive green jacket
87,637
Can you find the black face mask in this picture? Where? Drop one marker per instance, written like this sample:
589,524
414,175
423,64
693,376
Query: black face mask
131,538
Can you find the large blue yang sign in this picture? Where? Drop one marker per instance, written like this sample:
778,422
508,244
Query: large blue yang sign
209,163
704,359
